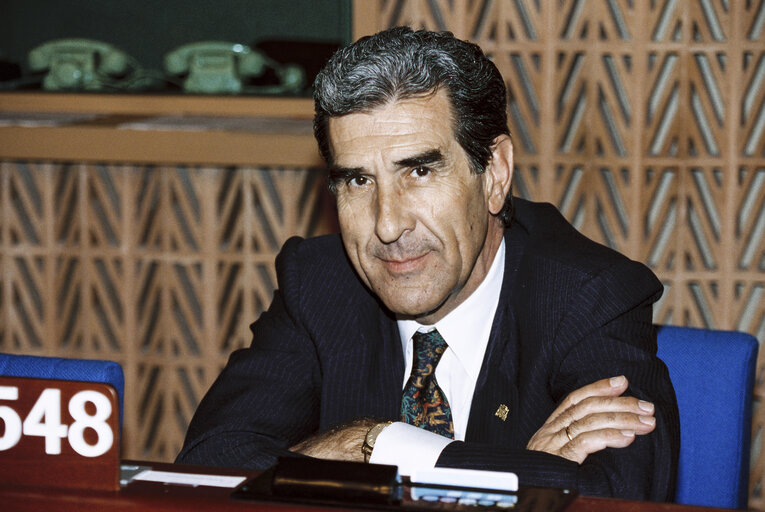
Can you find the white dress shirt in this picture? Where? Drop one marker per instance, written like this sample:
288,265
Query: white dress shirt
466,332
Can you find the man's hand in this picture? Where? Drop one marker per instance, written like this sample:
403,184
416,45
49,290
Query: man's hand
593,418
340,443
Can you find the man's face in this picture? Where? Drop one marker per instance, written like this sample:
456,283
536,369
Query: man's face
415,221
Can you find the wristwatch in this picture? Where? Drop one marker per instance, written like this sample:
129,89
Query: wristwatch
369,440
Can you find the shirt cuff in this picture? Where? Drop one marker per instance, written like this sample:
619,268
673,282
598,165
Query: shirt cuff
408,447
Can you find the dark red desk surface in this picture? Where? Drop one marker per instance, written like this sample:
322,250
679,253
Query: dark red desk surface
141,496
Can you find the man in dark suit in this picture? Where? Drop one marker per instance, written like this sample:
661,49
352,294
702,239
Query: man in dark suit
519,344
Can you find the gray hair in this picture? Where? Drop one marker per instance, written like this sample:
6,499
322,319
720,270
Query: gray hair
400,63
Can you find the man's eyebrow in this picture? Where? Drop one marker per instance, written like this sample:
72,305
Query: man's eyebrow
338,173
428,157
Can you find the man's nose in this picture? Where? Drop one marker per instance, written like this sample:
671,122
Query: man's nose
393,216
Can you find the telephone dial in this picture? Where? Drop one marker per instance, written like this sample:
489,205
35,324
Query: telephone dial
215,67
79,64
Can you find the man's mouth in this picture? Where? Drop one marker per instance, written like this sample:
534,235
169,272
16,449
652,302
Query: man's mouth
404,265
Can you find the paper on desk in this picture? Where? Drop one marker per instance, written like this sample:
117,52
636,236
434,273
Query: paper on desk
192,479
477,478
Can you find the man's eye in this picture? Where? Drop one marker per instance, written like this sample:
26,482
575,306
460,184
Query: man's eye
421,171
357,181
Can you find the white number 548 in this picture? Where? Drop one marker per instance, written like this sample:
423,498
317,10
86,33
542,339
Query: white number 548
44,420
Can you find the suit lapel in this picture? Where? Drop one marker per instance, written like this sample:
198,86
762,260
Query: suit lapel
363,367
384,361
495,400
391,365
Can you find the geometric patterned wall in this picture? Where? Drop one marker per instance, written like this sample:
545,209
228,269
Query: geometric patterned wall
643,121
159,268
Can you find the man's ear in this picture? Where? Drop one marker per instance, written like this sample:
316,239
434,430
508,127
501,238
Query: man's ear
500,173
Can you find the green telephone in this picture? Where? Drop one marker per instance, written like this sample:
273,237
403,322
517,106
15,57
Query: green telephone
79,64
215,67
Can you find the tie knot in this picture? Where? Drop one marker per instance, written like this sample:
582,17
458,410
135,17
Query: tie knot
428,349
431,339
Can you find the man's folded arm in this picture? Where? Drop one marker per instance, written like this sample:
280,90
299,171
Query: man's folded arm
265,400
643,469
620,340
639,471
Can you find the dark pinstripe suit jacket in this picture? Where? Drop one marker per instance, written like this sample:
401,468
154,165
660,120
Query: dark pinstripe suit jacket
327,351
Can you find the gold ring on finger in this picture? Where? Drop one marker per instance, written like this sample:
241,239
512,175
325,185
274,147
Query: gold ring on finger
568,433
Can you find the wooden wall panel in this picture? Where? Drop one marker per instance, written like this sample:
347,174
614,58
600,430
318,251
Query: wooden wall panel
161,269
644,122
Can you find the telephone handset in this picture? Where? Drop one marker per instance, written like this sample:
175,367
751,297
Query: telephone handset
77,64
216,67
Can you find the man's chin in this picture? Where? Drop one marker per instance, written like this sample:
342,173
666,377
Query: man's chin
410,297
414,311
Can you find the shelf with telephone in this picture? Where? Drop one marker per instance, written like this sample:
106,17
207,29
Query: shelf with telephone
95,125
88,109
201,67
157,129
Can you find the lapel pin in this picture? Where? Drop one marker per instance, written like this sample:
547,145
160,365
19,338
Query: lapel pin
502,411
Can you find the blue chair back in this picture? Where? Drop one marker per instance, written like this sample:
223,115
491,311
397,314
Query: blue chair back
60,368
713,376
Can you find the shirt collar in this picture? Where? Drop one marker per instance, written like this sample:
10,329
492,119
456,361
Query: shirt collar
466,329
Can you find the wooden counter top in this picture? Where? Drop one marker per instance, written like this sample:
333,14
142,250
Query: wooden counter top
157,129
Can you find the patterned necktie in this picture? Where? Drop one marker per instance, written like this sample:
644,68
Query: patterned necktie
423,403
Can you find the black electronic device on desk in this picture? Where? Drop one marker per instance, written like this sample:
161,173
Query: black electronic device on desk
376,486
